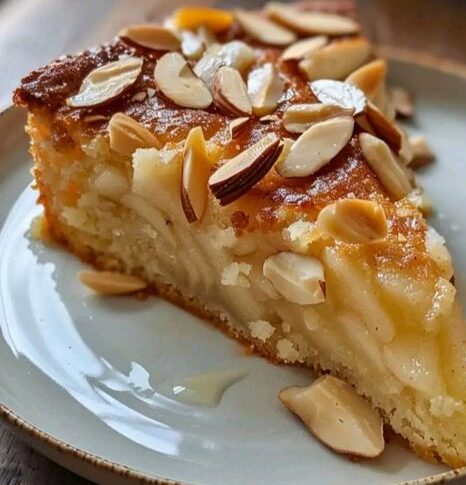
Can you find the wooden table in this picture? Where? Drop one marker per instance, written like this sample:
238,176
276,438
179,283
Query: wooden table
432,27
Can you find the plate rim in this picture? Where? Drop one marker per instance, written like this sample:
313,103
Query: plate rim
23,429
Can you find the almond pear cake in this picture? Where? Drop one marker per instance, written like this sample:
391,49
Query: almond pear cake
248,167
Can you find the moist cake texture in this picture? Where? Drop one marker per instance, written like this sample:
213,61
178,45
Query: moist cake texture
362,291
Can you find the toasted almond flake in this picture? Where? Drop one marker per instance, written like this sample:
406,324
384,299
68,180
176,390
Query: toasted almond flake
390,172
383,127
265,88
303,48
230,92
316,147
422,153
194,175
139,96
95,118
126,135
269,118
207,67
402,102
237,125
299,278
111,283
421,201
370,78
336,60
192,18
338,93
192,45
107,82
263,30
150,92
361,120
311,22
354,221
235,177
333,411
151,36
206,35
300,117
177,82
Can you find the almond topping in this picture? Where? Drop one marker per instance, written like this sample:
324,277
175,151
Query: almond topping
111,283
311,22
391,173
192,45
342,419
421,201
178,83
230,92
353,221
107,82
151,36
233,179
237,125
304,47
206,35
339,93
300,279
300,117
194,175
263,30
370,78
336,60
316,147
269,119
402,102
383,127
126,135
265,88
422,153
192,18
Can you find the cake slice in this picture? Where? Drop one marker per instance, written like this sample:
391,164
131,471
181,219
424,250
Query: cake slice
248,167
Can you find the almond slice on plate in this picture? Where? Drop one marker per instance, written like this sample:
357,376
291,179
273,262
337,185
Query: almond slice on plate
336,60
353,221
265,88
328,91
383,127
236,176
304,48
316,147
194,175
370,78
151,36
191,18
178,83
111,283
338,416
299,278
306,23
230,92
422,153
264,30
106,83
299,117
126,135
237,125
389,170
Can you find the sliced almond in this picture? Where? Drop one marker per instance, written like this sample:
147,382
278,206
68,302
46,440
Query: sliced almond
194,175
177,82
192,45
105,83
191,18
353,221
206,35
263,30
369,78
300,117
230,92
311,22
111,283
402,102
151,36
338,93
95,118
207,67
388,169
237,125
238,175
336,60
299,278
265,88
422,153
126,135
269,119
304,48
316,147
384,127
338,416
421,201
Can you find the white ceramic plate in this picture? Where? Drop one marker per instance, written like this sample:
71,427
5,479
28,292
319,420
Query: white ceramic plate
84,377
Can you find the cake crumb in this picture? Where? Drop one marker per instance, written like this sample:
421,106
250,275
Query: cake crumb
235,274
261,329
286,350
445,406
